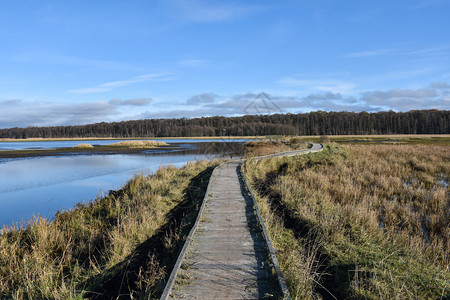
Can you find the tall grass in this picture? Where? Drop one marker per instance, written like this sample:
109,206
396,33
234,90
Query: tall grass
267,147
84,146
366,221
139,144
83,248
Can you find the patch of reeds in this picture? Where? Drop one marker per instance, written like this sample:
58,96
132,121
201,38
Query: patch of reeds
123,243
367,222
139,144
267,147
84,146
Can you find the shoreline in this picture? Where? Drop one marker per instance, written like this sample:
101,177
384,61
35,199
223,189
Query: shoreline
374,136
6,140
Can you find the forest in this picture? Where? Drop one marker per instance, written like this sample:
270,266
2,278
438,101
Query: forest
313,123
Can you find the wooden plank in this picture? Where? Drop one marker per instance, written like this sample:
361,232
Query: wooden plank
227,258
228,253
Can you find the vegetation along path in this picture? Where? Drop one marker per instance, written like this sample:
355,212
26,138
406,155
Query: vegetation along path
227,255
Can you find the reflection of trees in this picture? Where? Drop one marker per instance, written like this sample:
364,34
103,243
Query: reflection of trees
228,148
314,123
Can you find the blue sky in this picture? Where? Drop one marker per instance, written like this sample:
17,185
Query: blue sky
78,62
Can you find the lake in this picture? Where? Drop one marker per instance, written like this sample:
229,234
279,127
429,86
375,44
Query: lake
44,185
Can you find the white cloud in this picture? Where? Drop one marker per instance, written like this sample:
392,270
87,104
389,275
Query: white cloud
61,59
36,113
425,53
137,79
16,112
408,99
325,85
209,11
326,96
202,98
21,113
89,90
424,4
193,62
108,86
440,85
132,102
376,52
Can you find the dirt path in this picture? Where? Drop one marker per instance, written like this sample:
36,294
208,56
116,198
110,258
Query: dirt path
227,257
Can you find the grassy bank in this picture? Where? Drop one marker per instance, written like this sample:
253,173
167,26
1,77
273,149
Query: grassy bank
359,222
414,139
133,138
123,147
267,147
123,244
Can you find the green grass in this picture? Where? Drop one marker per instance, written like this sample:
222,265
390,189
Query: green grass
123,243
359,222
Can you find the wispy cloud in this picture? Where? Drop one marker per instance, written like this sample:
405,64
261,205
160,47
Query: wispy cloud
22,113
213,11
61,59
407,99
440,85
436,51
423,4
435,95
37,113
93,90
326,85
375,52
131,102
193,62
108,86
202,98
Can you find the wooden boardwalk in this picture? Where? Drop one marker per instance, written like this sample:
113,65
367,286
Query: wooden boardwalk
227,257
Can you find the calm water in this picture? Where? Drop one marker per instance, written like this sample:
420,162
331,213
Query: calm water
6,146
44,185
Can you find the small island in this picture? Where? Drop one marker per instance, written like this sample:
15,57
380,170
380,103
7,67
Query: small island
131,146
127,144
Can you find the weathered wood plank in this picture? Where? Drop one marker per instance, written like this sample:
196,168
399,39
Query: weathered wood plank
227,257
230,255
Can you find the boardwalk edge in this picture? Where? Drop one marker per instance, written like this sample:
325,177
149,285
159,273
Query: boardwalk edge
276,265
282,282
173,275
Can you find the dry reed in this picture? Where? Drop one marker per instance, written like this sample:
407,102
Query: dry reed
61,259
139,144
380,212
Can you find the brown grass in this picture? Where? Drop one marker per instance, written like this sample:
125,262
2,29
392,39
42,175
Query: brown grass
379,213
139,144
84,146
125,241
267,147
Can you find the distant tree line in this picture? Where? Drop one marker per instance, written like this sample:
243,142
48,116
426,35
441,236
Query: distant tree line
314,123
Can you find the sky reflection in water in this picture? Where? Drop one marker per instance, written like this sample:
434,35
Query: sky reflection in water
44,185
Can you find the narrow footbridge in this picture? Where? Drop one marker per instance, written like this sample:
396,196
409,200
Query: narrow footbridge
228,253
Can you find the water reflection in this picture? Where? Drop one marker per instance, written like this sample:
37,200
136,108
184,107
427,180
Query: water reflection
44,185
41,145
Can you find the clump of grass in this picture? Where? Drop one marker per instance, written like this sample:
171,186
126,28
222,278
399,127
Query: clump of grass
267,147
379,215
139,144
96,243
84,146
